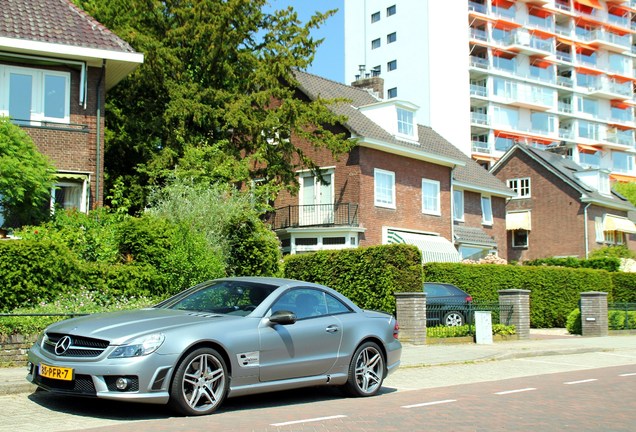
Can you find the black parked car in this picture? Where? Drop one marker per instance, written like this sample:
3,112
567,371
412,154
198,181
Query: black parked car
446,304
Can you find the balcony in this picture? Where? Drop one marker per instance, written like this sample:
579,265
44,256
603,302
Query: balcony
565,82
611,41
621,21
525,43
478,62
478,90
481,147
479,118
298,216
625,139
564,56
478,34
567,134
477,7
608,88
565,107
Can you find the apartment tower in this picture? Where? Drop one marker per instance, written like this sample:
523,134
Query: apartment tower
554,74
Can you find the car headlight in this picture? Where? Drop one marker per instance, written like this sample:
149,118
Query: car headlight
139,347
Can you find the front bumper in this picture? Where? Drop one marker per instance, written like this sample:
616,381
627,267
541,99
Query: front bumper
148,376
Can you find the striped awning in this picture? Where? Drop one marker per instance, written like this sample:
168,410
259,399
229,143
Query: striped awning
618,223
434,248
518,221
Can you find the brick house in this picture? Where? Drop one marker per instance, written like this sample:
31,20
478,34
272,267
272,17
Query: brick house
560,208
56,65
402,182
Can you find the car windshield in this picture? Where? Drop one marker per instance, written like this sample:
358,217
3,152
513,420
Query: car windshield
224,297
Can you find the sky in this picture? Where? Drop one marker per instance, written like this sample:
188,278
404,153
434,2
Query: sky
329,60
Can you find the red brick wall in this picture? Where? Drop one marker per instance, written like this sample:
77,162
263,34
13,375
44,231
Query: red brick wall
558,216
73,148
473,218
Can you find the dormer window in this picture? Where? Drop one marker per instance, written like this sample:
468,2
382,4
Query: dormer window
405,121
597,179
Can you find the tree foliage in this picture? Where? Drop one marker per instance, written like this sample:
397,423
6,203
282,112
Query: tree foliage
215,97
628,190
26,177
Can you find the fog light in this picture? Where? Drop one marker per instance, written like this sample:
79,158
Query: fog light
122,383
29,367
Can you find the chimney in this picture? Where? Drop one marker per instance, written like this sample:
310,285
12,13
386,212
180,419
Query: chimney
370,81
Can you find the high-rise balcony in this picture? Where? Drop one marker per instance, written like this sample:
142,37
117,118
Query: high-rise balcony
477,7
608,40
479,62
528,44
567,134
608,88
481,147
565,82
478,90
564,56
478,34
621,138
479,118
564,107
621,21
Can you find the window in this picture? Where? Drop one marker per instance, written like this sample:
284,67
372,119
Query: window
506,117
405,122
391,37
521,186
69,195
458,205
486,210
587,105
390,10
542,122
622,162
392,65
375,43
598,229
34,95
430,197
520,238
309,303
384,188
391,93
375,17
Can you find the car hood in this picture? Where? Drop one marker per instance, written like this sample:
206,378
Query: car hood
119,327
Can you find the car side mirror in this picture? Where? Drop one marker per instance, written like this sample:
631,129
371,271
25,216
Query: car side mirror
283,317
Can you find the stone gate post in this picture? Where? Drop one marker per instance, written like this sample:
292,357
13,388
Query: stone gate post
520,301
411,316
594,313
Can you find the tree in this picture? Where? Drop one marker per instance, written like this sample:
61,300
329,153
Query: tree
215,98
26,177
628,190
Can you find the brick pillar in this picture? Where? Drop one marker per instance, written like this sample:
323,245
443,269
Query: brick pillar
594,313
411,315
520,301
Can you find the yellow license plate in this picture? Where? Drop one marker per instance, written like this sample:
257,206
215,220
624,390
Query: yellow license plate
54,372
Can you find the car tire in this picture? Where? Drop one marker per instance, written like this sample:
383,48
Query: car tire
366,371
200,383
453,319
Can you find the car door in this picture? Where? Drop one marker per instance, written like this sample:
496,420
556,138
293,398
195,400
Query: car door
309,347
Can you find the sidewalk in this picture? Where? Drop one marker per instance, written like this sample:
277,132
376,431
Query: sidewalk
541,343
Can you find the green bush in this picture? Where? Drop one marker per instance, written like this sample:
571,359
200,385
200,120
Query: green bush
624,287
621,320
608,263
254,249
573,324
368,276
554,291
467,330
32,272
84,302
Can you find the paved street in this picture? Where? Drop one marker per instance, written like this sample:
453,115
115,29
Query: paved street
456,396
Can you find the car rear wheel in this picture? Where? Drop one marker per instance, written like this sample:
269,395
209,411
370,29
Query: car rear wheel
200,383
453,319
366,371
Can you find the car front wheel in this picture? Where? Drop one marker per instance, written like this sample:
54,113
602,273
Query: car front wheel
366,371
453,319
200,383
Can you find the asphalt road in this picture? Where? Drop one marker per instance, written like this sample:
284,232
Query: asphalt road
587,392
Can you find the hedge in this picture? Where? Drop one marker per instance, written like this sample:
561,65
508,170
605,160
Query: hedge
554,291
368,276
624,287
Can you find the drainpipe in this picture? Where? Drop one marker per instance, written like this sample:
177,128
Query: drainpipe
585,236
452,206
98,131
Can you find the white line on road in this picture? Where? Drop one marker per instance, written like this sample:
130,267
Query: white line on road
617,355
581,381
515,391
627,374
430,403
307,420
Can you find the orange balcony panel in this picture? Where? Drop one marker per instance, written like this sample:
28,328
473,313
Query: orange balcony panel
590,3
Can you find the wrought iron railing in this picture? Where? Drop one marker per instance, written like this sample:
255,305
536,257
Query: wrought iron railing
436,314
294,216
622,316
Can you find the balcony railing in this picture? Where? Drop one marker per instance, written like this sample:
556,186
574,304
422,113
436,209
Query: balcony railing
478,34
480,147
477,7
478,62
564,56
565,107
565,82
478,90
294,216
479,118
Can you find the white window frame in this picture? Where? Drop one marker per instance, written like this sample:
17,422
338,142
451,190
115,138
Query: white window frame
523,245
38,98
598,228
405,122
458,205
390,177
517,185
486,210
435,208
63,182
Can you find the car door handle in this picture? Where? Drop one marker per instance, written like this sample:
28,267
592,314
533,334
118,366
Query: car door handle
332,329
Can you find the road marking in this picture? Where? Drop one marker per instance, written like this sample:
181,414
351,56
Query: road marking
430,403
581,381
515,391
617,355
317,419
627,374
557,363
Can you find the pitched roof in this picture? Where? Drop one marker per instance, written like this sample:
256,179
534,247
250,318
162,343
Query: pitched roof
565,168
473,235
56,22
430,144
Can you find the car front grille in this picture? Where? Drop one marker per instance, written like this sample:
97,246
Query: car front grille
79,346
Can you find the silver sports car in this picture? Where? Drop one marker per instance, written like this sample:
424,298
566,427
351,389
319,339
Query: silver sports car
222,338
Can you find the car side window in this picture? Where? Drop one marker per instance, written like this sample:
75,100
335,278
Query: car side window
335,306
304,302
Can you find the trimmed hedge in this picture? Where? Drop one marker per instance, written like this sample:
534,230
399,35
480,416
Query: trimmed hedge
554,291
368,276
612,264
32,272
624,287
